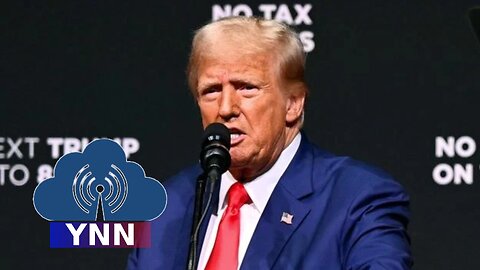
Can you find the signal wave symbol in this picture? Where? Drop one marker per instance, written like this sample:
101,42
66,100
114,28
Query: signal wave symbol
116,189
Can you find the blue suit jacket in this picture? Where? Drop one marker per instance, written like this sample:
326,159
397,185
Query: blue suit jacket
346,215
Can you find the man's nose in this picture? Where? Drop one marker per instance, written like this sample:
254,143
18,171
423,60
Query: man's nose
228,107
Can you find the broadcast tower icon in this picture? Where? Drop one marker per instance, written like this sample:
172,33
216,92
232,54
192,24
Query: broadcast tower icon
89,192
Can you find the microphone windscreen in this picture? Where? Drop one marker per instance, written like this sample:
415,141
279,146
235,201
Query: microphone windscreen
217,132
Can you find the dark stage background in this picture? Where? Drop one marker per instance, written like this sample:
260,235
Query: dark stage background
390,82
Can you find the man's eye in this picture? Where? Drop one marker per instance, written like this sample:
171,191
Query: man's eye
248,87
210,90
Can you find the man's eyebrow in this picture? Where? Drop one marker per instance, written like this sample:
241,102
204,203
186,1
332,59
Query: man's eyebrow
249,81
233,80
206,85
240,83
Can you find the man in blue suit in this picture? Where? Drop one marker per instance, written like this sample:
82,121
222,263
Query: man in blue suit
304,208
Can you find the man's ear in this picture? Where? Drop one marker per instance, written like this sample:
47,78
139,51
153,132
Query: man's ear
295,105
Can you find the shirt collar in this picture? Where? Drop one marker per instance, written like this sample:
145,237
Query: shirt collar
260,188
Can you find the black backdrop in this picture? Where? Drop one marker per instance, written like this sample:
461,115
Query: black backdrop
386,78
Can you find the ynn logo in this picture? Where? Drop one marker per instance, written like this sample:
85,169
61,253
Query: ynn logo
95,186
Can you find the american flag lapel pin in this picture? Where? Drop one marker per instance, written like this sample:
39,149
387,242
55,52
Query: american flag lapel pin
286,218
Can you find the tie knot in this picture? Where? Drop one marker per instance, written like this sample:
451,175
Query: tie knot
237,196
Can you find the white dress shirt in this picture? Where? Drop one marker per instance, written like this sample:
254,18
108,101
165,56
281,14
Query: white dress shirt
260,189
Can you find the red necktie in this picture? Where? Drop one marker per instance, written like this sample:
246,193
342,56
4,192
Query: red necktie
224,255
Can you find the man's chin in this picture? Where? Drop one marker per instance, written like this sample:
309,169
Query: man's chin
238,157
238,164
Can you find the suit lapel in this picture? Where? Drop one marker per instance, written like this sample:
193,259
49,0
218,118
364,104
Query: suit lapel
271,234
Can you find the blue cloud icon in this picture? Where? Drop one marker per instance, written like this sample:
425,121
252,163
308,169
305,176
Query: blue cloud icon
99,184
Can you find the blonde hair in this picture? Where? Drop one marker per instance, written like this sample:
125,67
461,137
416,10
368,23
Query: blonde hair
256,35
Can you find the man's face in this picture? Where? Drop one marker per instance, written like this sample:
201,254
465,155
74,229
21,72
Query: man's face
243,92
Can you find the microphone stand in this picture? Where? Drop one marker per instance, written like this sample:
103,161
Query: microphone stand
199,215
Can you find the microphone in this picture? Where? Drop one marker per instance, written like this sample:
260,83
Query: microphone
214,156
215,160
